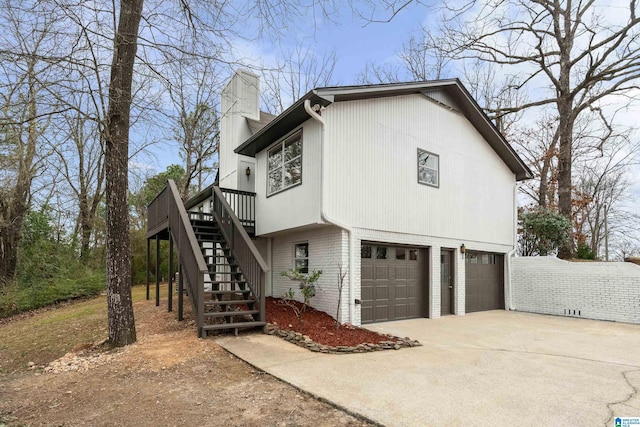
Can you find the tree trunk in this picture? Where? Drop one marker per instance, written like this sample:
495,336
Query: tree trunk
564,174
565,126
8,254
16,205
122,329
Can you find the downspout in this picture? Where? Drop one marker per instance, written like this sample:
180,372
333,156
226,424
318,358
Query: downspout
323,216
515,245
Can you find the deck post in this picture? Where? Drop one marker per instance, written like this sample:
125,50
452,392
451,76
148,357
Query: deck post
148,262
170,286
157,271
180,292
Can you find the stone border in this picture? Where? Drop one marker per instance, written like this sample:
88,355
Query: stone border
304,341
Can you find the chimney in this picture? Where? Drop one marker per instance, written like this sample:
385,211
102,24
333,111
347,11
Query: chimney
240,101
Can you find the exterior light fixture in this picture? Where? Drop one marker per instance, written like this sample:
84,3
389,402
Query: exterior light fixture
463,249
248,171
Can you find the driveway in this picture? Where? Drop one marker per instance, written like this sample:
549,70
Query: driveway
490,368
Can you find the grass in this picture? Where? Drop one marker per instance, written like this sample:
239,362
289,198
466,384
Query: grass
50,334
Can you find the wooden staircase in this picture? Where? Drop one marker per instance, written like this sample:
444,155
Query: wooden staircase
220,267
229,302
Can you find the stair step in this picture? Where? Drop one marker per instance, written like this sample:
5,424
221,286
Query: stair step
211,226
237,291
213,273
230,313
236,325
221,282
231,302
206,229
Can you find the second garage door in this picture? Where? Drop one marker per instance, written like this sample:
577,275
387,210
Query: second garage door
484,281
392,282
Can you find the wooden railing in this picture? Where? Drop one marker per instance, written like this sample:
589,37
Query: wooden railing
168,206
242,203
250,261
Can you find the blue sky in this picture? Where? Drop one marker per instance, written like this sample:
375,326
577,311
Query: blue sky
356,43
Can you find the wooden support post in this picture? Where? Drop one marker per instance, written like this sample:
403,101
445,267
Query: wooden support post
170,287
148,264
180,292
157,271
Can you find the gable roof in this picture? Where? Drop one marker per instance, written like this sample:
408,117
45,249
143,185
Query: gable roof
454,89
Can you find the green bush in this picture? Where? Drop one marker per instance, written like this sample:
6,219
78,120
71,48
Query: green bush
542,232
49,270
584,251
17,298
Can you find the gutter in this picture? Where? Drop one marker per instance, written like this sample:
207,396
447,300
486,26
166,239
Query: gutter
512,252
323,215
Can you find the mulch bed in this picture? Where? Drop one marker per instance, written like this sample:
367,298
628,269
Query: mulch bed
320,328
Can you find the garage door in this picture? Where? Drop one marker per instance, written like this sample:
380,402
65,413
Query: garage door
393,283
484,281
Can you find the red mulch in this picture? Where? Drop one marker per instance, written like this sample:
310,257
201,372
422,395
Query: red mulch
319,326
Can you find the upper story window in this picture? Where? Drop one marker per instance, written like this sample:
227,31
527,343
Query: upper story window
285,164
428,168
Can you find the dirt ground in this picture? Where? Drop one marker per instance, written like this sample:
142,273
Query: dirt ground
169,377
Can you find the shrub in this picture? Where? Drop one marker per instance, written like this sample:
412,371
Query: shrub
307,283
542,232
584,251
18,298
49,270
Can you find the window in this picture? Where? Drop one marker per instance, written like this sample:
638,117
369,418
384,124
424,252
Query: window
285,164
381,252
365,251
413,254
301,257
400,253
428,168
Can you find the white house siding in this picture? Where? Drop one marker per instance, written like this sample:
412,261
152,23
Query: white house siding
595,290
297,206
371,172
328,247
240,100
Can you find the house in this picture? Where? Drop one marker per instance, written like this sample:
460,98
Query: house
407,187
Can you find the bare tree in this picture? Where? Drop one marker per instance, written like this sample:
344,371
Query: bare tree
414,62
419,61
23,120
600,195
293,77
80,160
122,330
582,56
195,124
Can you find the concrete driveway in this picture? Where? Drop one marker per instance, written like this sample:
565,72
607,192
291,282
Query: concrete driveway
491,368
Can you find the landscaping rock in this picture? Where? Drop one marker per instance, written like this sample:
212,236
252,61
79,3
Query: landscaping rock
306,342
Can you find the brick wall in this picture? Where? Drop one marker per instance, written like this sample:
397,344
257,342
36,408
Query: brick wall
594,290
328,246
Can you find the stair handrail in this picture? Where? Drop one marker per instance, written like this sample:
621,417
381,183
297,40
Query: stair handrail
194,267
251,263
